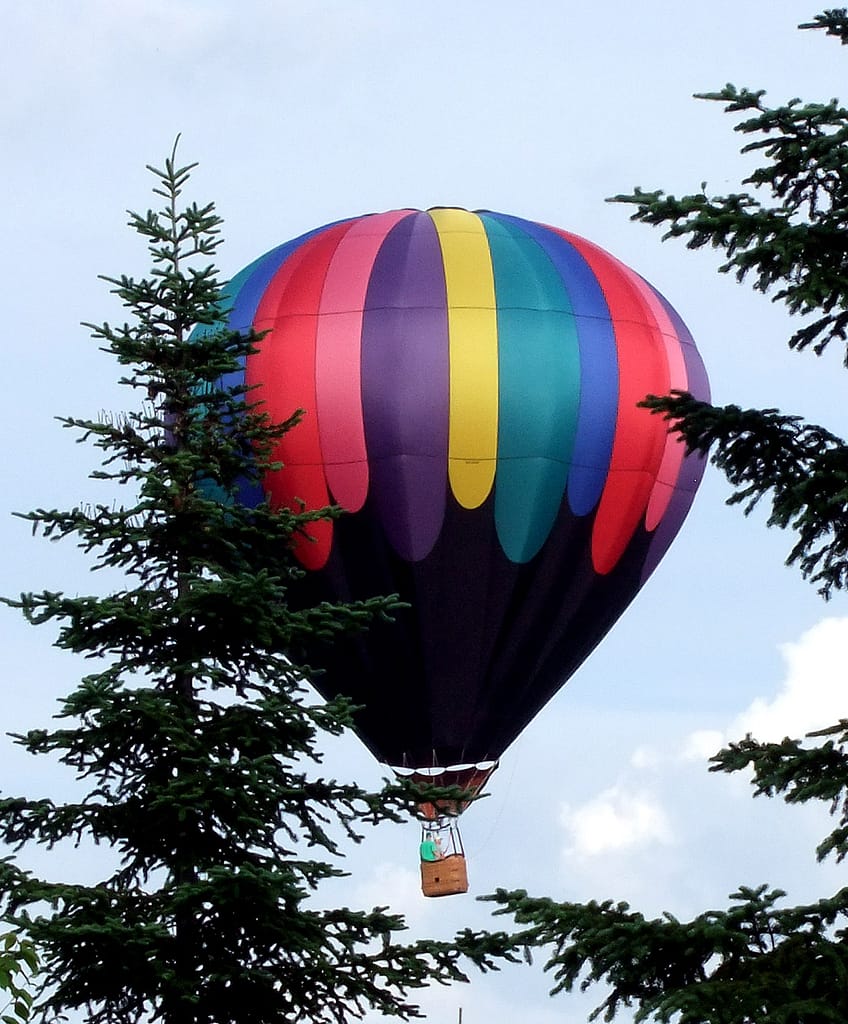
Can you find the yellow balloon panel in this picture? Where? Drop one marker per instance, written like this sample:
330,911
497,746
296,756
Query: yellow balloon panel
473,334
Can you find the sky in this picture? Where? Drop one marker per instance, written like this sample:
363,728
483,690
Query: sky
302,113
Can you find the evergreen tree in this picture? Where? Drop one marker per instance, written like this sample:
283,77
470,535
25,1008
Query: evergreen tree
191,734
758,962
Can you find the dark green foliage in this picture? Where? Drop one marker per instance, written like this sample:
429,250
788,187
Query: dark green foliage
799,773
788,234
802,466
197,752
833,21
758,962
755,963
792,245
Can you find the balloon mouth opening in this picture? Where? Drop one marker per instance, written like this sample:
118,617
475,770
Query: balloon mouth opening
436,772
470,777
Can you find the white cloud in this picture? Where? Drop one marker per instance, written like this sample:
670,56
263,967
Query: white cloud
663,787
813,694
616,819
701,744
646,757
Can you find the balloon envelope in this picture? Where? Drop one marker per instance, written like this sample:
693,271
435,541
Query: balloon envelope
470,386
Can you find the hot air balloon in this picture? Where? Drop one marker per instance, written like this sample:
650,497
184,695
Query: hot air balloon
470,386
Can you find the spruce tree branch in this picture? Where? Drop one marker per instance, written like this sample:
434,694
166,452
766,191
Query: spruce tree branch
740,965
833,21
792,244
801,467
799,772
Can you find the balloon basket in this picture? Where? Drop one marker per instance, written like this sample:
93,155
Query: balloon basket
443,868
445,877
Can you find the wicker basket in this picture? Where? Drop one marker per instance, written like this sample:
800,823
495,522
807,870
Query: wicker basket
445,877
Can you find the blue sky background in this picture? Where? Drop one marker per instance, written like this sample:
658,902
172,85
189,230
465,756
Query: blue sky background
303,113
